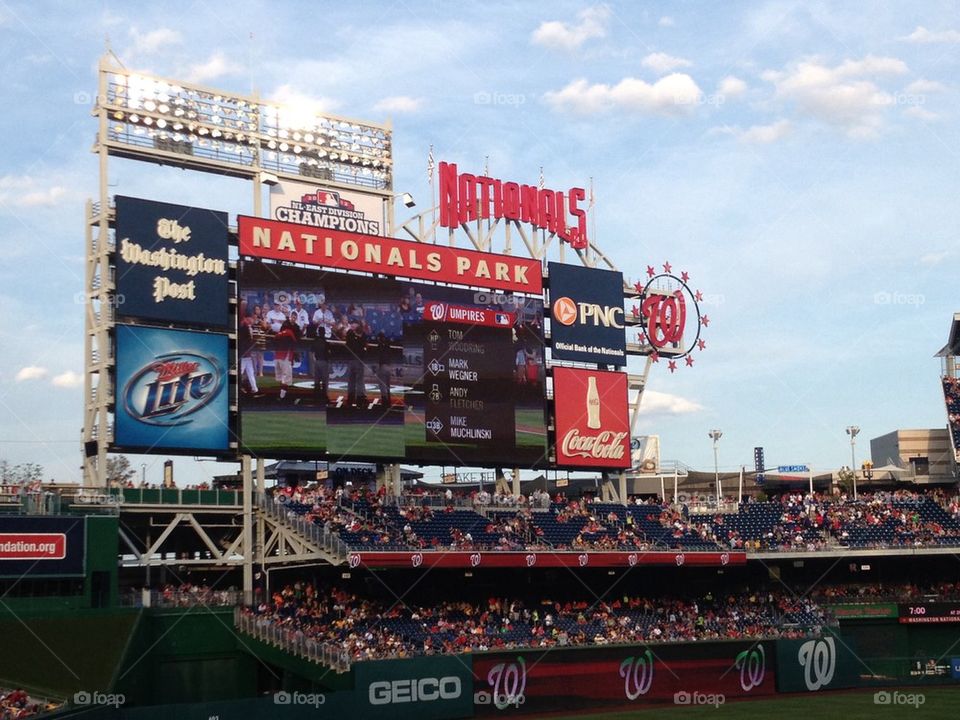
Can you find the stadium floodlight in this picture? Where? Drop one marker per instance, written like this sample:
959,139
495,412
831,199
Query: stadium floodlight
408,200
853,431
715,435
232,134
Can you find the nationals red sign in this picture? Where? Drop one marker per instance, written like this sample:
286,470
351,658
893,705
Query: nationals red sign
465,197
372,253
33,546
592,418
447,312
553,559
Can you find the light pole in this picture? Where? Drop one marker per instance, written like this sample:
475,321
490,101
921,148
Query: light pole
715,435
853,431
143,474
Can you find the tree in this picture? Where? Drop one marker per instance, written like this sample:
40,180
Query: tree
845,479
22,474
119,471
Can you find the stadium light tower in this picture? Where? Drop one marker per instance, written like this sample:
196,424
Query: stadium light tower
853,431
715,435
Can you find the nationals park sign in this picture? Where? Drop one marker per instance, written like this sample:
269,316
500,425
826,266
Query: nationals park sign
375,254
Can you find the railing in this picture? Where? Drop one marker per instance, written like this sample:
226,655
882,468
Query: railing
322,537
181,598
293,641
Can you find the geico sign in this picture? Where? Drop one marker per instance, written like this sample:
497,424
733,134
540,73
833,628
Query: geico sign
567,312
414,690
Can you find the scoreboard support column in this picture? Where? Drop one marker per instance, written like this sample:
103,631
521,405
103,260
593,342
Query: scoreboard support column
248,526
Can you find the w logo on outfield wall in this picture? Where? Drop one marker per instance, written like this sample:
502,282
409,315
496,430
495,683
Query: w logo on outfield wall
752,665
637,674
819,661
508,682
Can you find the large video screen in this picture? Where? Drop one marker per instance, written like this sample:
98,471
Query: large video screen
344,366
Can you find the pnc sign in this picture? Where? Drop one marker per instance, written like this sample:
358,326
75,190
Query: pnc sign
587,316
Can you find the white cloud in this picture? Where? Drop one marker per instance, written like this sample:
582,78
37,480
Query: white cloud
398,104
666,21
68,379
765,134
591,23
659,403
26,191
151,42
31,372
934,258
922,35
217,66
920,113
845,96
922,86
662,63
731,87
671,95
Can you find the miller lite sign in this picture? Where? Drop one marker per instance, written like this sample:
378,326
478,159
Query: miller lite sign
171,390
592,418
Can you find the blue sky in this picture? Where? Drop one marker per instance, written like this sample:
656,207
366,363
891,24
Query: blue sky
800,160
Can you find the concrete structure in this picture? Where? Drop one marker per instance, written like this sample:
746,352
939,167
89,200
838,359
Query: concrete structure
926,455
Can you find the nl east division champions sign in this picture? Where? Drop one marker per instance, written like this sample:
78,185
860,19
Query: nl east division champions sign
371,253
465,197
325,208
592,418
587,315
171,389
171,263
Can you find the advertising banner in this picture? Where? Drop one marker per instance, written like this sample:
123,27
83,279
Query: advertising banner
41,546
863,611
326,208
826,663
337,365
423,687
592,418
172,390
171,263
645,454
586,315
570,679
401,258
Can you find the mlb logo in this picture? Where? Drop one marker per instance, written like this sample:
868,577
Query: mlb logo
502,319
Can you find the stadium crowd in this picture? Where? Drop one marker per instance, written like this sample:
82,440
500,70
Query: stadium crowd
16,704
793,521
370,629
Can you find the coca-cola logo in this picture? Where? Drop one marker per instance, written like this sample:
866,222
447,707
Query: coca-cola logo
752,665
416,559
637,674
583,559
474,559
531,560
605,445
632,559
680,559
508,682
353,559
